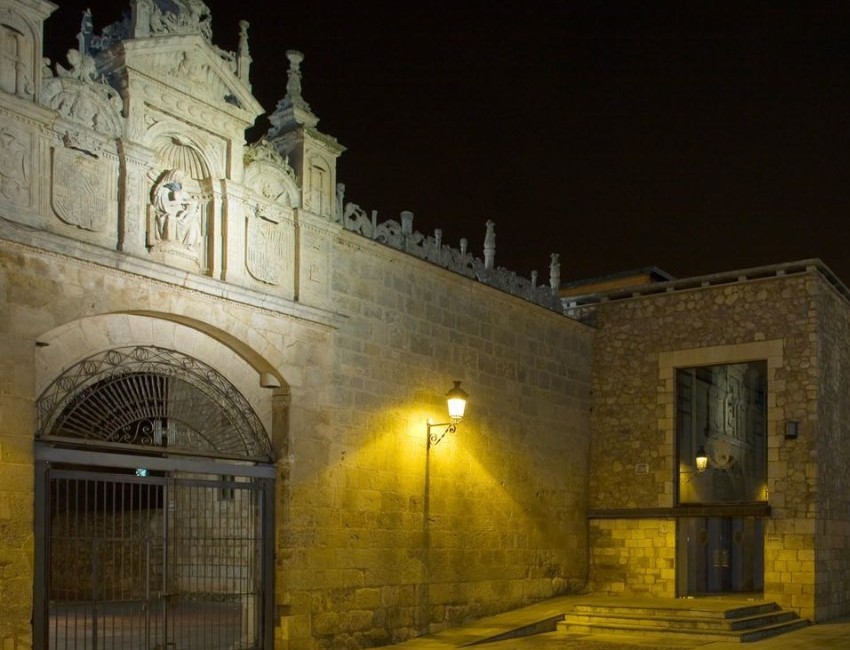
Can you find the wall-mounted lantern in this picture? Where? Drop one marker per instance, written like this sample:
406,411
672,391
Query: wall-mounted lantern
456,398
701,459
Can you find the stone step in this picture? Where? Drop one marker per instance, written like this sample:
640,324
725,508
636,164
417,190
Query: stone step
687,622
708,620
693,609
741,636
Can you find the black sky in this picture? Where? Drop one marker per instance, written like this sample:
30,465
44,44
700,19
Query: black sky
694,136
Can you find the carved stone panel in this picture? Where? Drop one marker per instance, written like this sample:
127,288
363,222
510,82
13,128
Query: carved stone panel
81,193
16,148
268,249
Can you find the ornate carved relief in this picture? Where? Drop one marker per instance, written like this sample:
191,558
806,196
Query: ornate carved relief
402,236
83,98
269,175
191,68
272,194
81,189
15,165
268,247
157,18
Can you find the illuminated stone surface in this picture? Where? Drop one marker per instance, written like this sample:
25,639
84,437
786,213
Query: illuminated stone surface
141,218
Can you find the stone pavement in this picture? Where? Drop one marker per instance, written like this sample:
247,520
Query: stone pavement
832,634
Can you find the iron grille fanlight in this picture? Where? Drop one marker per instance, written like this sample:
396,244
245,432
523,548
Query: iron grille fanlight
152,396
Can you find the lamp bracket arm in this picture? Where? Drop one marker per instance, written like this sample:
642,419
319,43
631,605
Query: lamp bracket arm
435,438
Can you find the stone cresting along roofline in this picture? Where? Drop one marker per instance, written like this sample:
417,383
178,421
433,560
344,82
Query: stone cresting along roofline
573,305
401,236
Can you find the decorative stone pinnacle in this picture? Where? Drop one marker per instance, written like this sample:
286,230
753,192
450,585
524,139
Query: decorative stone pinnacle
243,62
292,111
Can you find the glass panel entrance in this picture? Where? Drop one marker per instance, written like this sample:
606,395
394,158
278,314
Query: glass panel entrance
717,555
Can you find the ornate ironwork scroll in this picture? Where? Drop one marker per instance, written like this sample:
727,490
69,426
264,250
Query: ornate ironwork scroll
152,397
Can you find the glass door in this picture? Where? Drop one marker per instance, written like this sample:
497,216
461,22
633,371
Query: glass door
720,555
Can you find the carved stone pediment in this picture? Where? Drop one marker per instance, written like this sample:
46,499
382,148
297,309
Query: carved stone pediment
190,65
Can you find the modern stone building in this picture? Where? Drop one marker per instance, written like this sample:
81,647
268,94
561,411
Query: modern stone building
216,378
747,370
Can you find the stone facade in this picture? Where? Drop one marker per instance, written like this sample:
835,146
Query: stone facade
132,213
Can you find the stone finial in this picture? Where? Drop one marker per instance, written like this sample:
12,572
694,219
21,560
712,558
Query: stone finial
292,111
490,245
406,222
243,56
293,75
555,272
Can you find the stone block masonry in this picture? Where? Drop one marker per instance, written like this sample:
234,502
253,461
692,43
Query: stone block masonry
386,539
633,556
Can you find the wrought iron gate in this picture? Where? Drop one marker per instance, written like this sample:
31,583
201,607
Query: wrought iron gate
154,508
153,561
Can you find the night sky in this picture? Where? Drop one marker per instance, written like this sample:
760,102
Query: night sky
698,137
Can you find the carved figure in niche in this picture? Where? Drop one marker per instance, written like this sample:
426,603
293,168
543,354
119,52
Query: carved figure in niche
14,180
178,217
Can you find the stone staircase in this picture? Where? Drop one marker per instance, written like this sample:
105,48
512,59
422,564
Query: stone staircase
705,619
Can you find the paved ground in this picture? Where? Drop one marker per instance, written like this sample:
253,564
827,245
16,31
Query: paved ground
833,634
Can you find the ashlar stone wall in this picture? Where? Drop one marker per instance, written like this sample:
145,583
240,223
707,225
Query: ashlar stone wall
639,343
384,538
59,309
633,556
132,213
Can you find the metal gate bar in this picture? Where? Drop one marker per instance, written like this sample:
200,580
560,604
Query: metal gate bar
154,562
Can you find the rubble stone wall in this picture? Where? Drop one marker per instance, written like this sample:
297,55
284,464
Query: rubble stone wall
830,460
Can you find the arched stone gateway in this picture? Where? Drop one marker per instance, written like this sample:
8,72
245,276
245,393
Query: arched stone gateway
154,503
